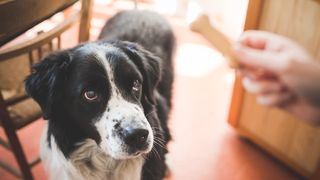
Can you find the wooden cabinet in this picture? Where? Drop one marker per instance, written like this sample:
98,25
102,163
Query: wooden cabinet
287,138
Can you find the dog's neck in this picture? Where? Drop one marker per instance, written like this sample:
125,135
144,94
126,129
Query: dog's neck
92,163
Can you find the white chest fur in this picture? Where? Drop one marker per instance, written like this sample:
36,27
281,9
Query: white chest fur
87,162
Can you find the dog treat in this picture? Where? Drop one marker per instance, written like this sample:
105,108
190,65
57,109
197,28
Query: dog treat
218,39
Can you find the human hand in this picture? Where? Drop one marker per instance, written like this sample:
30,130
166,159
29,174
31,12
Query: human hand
281,73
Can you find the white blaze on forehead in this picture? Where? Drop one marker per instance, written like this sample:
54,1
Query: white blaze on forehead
118,110
100,51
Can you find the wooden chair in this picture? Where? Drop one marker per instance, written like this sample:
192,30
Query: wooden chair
17,110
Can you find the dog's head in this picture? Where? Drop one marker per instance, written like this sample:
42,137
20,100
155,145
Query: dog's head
103,91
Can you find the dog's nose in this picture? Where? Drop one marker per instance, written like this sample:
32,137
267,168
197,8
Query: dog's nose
136,138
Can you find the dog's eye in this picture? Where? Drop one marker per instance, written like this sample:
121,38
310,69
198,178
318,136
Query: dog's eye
136,86
90,95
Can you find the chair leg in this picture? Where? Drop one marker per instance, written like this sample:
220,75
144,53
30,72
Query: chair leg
14,141
19,155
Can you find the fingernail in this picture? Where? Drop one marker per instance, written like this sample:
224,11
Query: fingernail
248,85
263,100
245,82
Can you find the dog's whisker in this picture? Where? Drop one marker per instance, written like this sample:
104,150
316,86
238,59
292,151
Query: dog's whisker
159,144
155,127
157,130
161,147
151,113
145,156
160,140
156,153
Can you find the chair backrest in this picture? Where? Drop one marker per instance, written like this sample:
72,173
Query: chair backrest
17,17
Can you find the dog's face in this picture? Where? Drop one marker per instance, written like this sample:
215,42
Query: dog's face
102,91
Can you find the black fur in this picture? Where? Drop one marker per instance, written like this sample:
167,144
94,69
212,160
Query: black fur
57,83
153,33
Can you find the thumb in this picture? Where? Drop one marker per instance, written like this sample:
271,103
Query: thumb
257,58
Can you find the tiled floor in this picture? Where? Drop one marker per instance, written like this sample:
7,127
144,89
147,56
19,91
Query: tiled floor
204,146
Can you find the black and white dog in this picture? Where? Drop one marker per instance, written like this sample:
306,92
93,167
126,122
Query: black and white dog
107,102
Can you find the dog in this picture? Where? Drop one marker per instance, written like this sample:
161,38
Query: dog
107,102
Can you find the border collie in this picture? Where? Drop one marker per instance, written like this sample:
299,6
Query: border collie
107,102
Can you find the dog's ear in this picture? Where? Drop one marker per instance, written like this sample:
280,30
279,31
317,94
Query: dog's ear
45,82
148,64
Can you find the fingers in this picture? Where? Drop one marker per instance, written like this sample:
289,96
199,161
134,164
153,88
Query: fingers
250,39
269,92
268,60
260,49
257,73
261,39
274,99
262,87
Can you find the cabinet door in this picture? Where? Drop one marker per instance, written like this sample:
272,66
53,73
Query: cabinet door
292,141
